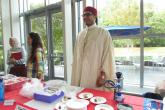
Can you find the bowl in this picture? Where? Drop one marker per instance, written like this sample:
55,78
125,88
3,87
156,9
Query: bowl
77,104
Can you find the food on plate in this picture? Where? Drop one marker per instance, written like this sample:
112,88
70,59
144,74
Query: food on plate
86,96
66,98
98,99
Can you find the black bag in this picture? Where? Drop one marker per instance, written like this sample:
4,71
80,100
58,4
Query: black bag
19,70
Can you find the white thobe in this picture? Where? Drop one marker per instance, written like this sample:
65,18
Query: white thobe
93,53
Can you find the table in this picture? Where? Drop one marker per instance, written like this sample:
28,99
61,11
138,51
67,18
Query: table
135,101
19,100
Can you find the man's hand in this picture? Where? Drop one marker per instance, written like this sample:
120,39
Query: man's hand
101,79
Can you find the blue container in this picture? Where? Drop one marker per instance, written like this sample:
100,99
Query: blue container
48,99
1,90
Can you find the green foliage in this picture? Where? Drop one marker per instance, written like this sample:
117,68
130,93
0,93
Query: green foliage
154,42
1,48
57,20
1,31
39,26
119,12
123,43
1,59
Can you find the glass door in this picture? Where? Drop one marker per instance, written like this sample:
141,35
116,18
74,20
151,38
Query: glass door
58,44
48,23
38,25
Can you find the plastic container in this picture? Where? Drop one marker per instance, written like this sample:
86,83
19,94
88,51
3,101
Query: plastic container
48,98
1,90
14,85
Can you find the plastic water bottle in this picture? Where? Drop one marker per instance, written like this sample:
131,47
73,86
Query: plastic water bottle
1,90
164,103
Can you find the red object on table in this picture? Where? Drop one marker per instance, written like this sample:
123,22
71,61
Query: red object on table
20,100
15,83
14,86
135,101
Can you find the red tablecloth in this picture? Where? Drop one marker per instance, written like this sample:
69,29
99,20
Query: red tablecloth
20,100
136,102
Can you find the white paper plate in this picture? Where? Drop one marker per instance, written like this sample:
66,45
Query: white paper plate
85,95
77,104
103,107
98,100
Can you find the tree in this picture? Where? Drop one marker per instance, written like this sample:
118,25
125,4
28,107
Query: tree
119,12
1,48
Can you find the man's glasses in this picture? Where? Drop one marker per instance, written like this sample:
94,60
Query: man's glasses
87,14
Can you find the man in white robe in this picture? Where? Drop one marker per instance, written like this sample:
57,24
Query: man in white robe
93,54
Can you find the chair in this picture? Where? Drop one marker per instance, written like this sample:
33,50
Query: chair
152,96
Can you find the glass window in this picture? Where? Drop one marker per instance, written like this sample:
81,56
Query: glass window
38,25
78,13
53,1
154,15
34,4
127,58
1,48
21,5
58,44
154,60
154,42
118,12
126,51
89,2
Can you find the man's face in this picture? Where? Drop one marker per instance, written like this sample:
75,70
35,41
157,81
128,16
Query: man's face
89,18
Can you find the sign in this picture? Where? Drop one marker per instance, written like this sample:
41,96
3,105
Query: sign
19,107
